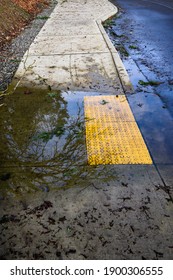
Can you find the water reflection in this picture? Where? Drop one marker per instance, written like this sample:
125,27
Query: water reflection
43,142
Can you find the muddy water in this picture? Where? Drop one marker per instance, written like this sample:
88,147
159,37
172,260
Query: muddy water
43,142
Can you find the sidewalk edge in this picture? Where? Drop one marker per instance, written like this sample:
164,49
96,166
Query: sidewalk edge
122,73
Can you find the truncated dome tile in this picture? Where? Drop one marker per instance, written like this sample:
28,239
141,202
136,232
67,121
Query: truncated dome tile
108,108
112,135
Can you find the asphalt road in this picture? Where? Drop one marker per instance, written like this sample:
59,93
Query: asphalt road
151,24
144,29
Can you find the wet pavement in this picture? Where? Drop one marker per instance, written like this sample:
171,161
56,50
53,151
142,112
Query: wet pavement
142,32
55,206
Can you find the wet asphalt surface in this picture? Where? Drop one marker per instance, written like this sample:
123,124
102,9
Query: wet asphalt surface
52,204
142,33
148,25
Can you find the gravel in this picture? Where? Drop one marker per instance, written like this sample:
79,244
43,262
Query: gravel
12,53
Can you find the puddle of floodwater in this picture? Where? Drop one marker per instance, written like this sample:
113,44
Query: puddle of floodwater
151,113
155,124
152,116
43,142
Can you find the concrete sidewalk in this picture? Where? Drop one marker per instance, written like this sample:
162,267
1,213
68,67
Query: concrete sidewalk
105,211
73,52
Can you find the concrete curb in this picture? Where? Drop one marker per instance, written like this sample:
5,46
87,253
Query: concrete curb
122,73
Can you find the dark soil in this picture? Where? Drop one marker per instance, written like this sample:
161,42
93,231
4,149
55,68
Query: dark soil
15,15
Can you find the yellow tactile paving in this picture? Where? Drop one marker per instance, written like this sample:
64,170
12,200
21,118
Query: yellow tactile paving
112,135
108,108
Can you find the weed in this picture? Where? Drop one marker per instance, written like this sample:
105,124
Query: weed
107,23
149,83
52,94
43,17
122,50
132,47
45,136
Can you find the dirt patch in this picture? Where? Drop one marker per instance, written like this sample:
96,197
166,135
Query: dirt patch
32,6
15,15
